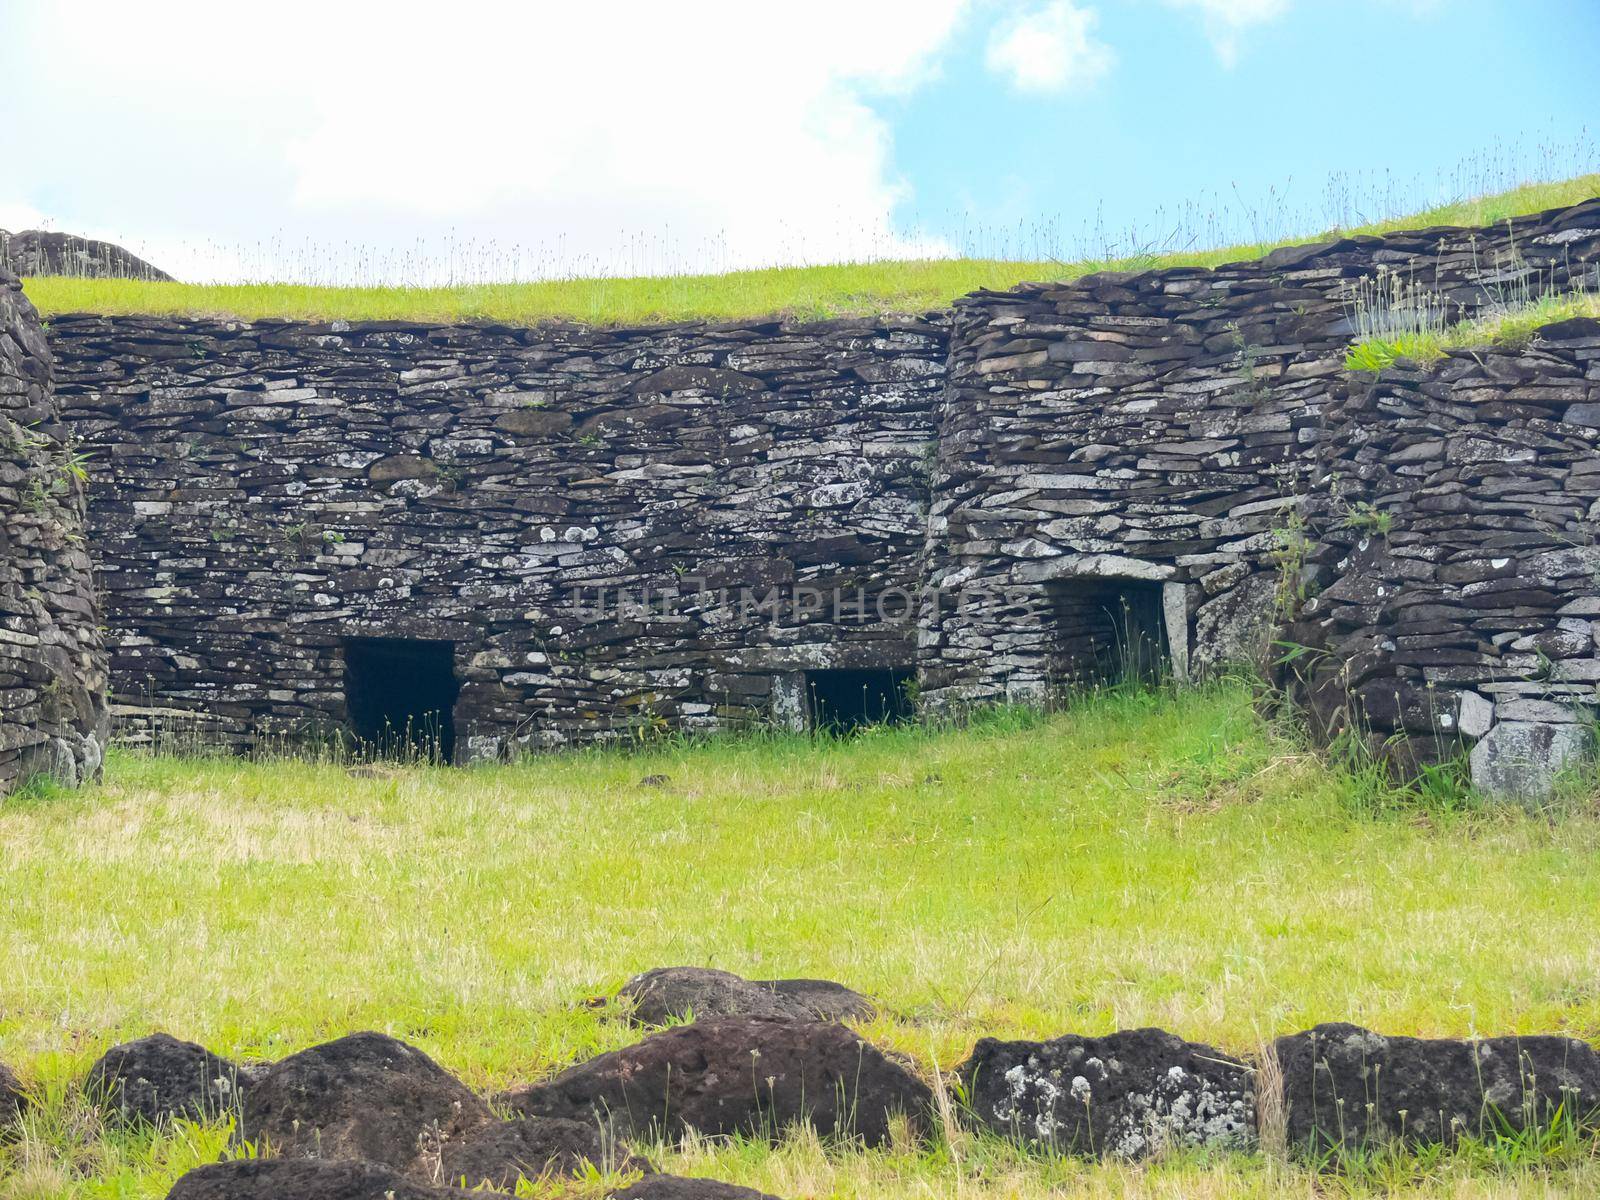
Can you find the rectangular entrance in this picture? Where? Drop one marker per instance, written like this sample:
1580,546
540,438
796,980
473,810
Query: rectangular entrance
843,700
400,697
1107,631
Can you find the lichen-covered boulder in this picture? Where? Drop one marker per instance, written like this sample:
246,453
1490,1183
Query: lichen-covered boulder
738,1075
683,1187
158,1078
1127,1095
366,1096
1521,759
302,1179
666,994
1345,1086
501,1152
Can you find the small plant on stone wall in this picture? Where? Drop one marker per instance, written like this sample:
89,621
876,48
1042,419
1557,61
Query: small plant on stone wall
41,495
1393,315
1254,387
76,467
1366,517
23,442
1291,545
224,529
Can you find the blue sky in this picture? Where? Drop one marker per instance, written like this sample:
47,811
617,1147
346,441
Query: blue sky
360,141
1392,94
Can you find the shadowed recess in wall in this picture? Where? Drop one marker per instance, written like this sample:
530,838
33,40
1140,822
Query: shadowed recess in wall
1107,631
400,694
846,700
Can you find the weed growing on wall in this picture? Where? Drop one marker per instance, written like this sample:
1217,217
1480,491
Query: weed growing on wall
1366,517
1290,545
1395,316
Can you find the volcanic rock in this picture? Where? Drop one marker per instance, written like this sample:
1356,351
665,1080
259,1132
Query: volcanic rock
299,1179
744,1075
158,1078
365,1096
1346,1086
1128,1095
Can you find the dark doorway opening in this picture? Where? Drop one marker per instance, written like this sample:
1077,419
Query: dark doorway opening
1107,631
400,696
843,700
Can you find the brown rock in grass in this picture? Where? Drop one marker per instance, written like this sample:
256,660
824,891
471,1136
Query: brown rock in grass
13,1098
683,1187
1348,1087
501,1152
367,1097
158,1078
668,994
738,1075
300,1179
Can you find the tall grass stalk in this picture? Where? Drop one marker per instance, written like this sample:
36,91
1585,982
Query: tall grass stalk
319,284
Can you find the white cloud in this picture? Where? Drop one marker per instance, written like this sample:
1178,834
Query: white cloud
613,136
1226,20
16,216
1049,49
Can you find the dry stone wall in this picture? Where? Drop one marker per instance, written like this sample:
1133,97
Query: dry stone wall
613,530
52,666
1457,541
1159,431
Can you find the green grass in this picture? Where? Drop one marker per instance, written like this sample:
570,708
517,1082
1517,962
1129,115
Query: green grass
1504,330
852,289
1138,859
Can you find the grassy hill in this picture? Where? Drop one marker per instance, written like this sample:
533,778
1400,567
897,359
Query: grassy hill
1143,858
852,289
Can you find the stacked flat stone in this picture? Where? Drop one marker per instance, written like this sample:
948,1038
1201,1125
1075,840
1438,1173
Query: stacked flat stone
264,490
1162,425
912,494
1458,522
52,665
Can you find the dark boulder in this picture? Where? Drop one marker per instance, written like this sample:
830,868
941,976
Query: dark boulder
501,1152
683,1187
299,1179
1347,1087
822,999
158,1078
1128,1095
13,1098
674,993
365,1096
749,1075
42,252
